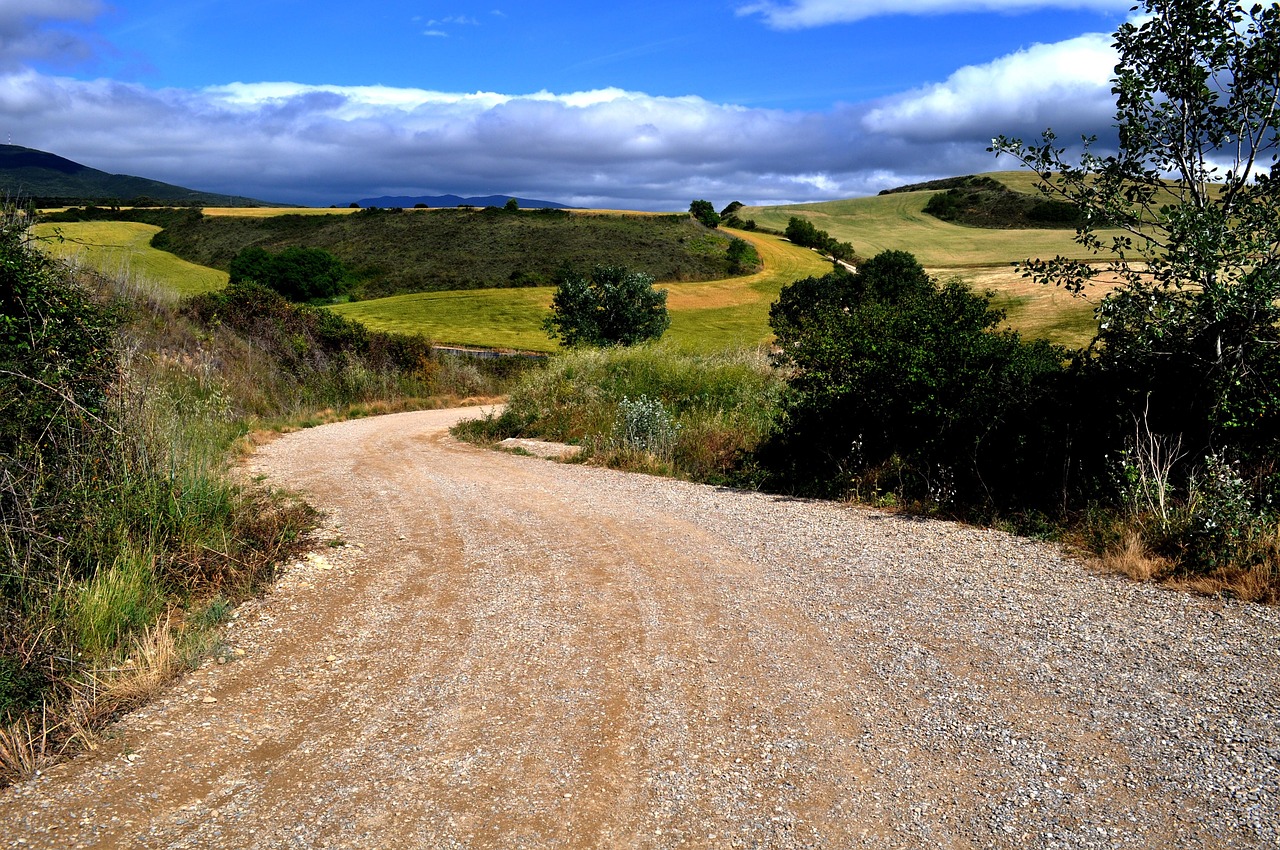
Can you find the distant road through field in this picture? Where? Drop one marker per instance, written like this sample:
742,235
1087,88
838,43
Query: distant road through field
504,652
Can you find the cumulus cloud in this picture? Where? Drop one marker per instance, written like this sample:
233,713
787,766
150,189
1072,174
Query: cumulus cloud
26,32
1063,84
317,144
799,14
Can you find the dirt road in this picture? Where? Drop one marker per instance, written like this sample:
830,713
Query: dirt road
515,653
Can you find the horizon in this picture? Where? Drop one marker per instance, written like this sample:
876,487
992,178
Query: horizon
634,107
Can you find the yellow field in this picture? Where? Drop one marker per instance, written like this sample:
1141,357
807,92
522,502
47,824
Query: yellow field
268,212
124,248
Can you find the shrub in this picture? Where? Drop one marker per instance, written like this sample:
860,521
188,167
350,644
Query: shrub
299,274
719,407
901,383
643,425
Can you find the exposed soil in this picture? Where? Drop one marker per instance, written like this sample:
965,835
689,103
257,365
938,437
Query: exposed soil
511,652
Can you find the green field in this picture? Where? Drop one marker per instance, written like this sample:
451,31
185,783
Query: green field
705,316
124,248
983,258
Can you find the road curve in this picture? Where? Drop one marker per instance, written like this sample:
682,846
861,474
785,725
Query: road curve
516,653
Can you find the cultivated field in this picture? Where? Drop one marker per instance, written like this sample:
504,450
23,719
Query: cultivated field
123,247
704,316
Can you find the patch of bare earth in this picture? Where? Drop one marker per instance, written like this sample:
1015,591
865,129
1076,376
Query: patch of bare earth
511,652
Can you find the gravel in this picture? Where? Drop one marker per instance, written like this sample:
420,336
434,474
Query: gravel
513,652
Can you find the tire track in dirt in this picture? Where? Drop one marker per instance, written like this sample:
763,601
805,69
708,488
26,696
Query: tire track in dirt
530,654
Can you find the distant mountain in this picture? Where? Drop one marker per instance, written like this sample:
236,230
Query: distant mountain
456,201
50,180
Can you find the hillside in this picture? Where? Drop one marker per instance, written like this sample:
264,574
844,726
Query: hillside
898,221
458,201
50,180
394,252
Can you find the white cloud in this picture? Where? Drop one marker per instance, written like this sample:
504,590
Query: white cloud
1066,83
322,144
799,14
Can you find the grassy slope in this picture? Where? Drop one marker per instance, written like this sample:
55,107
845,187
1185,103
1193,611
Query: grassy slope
124,248
982,257
704,316
393,253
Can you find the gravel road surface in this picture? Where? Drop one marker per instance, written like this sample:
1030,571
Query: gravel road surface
514,653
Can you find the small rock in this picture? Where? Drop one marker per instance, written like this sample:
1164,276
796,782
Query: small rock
208,700
332,658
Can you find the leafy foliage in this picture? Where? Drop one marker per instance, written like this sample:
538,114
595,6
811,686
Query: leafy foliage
612,306
57,352
742,256
1189,344
903,384
299,274
705,213
802,232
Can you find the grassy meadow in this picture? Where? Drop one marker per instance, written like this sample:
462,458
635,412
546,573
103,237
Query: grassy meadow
123,249
705,316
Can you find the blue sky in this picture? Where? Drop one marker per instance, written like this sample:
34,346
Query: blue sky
629,105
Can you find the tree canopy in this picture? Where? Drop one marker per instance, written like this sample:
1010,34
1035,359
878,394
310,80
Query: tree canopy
611,306
1191,336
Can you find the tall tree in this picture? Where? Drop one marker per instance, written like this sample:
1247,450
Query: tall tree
1189,338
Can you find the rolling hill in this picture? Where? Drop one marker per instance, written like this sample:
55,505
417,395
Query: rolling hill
406,201
47,179
392,251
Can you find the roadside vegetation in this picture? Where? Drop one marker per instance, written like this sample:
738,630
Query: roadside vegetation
125,535
651,408
1157,446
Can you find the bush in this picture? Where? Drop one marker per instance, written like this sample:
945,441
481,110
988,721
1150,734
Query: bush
802,232
901,384
705,213
299,274
718,408
643,425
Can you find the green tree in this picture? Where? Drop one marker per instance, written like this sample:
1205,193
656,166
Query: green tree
1189,341
704,212
299,274
611,306
512,205
741,256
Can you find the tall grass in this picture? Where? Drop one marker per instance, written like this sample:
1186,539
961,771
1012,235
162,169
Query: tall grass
708,412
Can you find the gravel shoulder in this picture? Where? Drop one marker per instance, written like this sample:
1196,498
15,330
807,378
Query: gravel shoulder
510,652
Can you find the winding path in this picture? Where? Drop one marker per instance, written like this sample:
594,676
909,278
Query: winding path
511,653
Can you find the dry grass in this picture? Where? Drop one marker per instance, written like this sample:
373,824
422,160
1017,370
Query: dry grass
24,749
1259,583
156,657
1132,558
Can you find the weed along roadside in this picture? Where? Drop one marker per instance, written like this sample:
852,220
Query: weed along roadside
127,535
